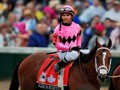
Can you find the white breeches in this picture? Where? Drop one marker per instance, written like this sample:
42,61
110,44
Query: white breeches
69,56
72,55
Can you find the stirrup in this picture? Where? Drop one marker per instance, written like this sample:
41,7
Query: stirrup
57,68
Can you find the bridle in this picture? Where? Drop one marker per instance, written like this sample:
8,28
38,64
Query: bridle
103,66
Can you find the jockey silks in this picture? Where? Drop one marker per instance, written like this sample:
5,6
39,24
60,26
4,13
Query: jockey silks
69,36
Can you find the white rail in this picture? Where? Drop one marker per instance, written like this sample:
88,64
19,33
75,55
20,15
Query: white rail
30,50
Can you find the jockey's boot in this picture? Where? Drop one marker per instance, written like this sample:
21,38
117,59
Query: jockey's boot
59,65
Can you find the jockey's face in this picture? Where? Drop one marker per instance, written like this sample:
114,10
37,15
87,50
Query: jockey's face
67,18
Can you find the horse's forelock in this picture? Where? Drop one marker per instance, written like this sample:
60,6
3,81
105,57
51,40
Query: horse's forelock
104,45
93,50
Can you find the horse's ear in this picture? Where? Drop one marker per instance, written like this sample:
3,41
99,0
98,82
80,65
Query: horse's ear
109,43
97,43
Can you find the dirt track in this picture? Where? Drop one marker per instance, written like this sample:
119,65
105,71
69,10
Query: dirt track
4,85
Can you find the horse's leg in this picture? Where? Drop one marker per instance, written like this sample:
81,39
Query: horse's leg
28,71
27,79
28,85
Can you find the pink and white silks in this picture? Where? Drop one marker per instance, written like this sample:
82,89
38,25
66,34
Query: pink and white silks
70,37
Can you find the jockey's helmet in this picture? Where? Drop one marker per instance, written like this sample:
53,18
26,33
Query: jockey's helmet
67,9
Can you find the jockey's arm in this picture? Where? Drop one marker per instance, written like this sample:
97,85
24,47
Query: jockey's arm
62,47
58,44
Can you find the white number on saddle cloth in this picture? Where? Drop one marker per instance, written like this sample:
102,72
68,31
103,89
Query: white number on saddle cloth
51,79
42,77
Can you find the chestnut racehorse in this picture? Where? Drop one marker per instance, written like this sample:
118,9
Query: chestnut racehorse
115,81
81,73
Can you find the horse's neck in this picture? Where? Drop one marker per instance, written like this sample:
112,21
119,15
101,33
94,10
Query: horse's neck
83,74
90,71
90,67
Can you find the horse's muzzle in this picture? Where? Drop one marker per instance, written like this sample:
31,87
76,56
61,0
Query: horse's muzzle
102,73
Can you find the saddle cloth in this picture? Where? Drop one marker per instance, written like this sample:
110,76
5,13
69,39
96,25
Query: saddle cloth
48,76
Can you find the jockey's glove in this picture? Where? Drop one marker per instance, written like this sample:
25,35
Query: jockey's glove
76,48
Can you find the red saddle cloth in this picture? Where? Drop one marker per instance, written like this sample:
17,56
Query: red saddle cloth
47,74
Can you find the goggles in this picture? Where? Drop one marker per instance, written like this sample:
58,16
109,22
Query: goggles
66,9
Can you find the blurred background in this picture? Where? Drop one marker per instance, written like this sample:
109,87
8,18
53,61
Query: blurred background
26,27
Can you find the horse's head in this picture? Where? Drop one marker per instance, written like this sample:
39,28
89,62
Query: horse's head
103,60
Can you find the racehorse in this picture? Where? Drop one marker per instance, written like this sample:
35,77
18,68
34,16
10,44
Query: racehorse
90,71
115,80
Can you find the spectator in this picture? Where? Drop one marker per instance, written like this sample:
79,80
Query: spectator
100,35
85,5
29,20
109,4
39,14
76,17
90,31
69,2
4,34
12,18
113,13
9,9
11,31
31,6
1,38
38,38
115,36
108,26
22,34
2,19
19,9
49,14
92,11
54,23
53,3
3,5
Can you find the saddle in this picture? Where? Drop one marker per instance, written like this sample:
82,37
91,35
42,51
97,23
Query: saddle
47,77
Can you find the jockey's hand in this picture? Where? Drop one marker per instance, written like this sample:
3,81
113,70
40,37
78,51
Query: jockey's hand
55,38
77,48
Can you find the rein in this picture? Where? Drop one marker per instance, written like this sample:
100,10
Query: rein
117,76
81,70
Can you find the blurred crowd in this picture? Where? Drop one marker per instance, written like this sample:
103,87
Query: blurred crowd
30,23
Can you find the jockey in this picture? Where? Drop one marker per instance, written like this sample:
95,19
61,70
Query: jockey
66,37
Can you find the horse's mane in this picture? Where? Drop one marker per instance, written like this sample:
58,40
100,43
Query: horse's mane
104,45
87,57
91,54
